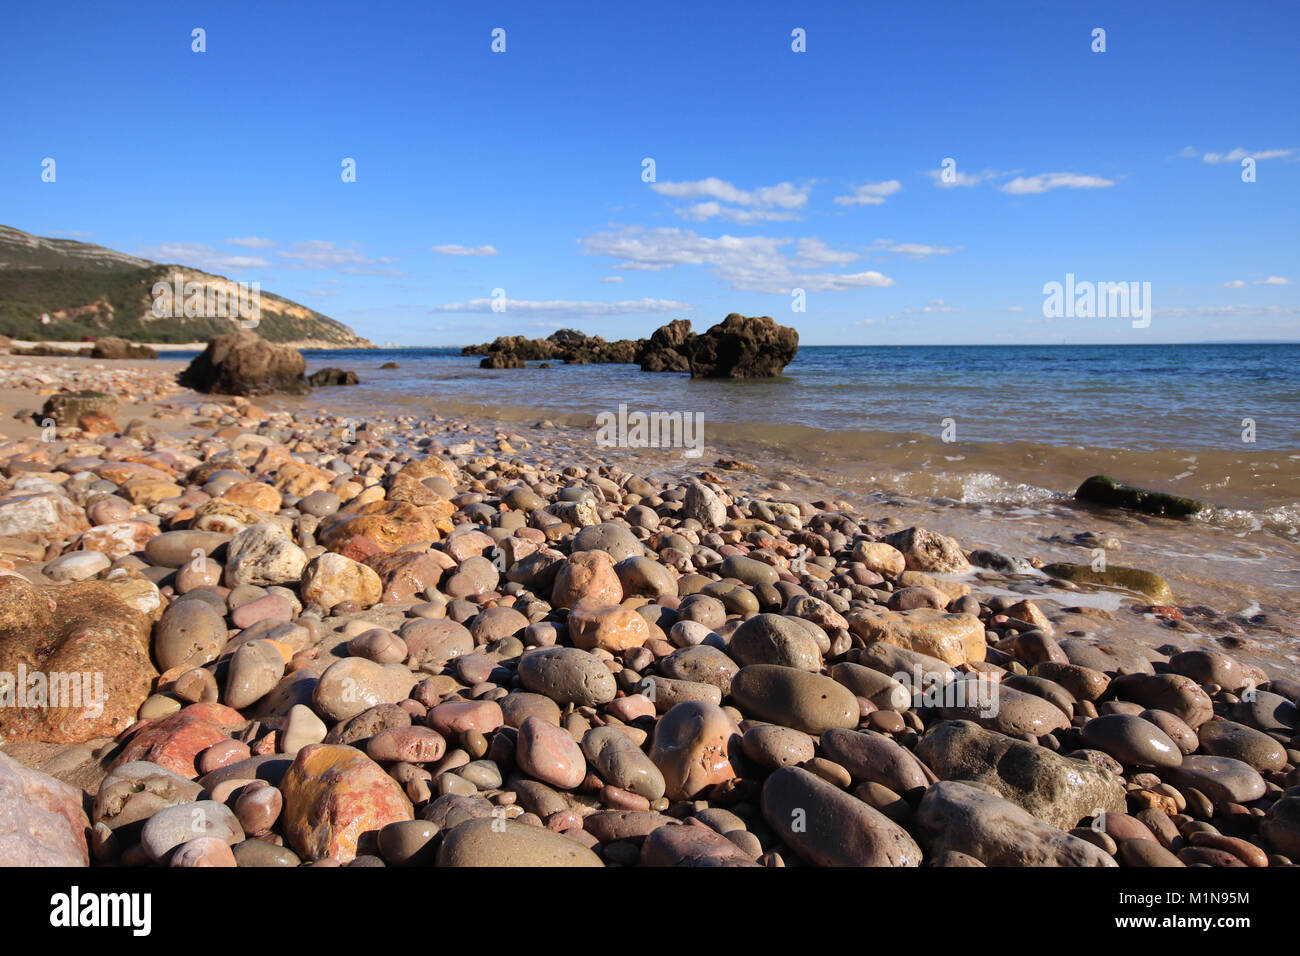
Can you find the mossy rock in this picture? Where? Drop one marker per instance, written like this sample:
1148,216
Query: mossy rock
1104,490
1129,579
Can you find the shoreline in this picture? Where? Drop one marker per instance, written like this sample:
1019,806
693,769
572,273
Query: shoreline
447,621
1227,558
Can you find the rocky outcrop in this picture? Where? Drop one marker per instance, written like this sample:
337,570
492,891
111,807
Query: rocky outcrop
737,347
743,347
668,348
244,363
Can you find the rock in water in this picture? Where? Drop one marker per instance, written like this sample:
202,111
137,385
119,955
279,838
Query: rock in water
1130,579
42,822
668,348
332,376
244,363
743,347
1104,490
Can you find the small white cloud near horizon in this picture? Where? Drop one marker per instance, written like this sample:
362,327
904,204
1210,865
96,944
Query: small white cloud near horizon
870,194
1041,183
566,307
612,279
933,306
453,249
1273,280
1233,284
321,254
251,242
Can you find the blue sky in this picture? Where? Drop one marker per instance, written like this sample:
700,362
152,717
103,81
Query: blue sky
774,170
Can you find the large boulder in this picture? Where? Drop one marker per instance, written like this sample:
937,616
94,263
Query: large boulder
964,818
743,347
244,363
42,821
1060,791
74,662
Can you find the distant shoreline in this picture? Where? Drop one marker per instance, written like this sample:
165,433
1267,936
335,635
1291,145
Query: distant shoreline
314,345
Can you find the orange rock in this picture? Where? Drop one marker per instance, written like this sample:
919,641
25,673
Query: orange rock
332,795
298,479
389,524
427,468
614,628
255,494
692,748
587,575
175,741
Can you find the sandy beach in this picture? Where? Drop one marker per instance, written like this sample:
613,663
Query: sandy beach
499,642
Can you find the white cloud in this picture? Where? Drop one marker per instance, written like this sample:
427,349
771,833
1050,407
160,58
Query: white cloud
1238,154
613,279
782,195
1015,308
915,249
1243,310
703,211
1274,280
196,255
870,194
563,307
765,204
322,254
749,263
321,293
456,250
961,178
933,306
251,242
1041,183
1233,284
